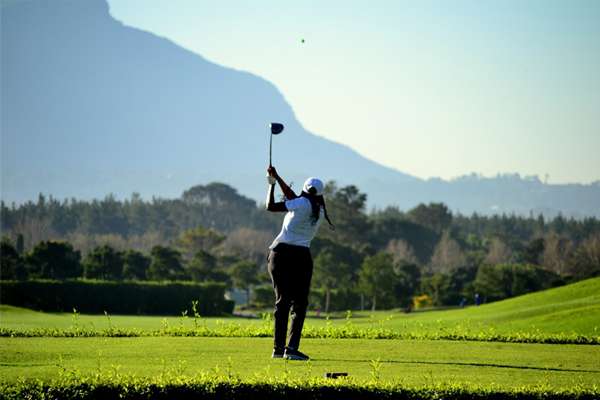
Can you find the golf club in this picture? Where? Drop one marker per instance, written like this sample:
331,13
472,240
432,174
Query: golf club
276,129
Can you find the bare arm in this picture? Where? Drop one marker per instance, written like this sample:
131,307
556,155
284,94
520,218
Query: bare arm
271,205
285,189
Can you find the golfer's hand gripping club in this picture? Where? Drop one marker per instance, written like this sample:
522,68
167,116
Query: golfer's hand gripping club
271,175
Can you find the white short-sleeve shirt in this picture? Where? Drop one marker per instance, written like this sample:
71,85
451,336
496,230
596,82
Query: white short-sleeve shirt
298,228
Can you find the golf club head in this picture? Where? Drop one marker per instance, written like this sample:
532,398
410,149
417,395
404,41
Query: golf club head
276,128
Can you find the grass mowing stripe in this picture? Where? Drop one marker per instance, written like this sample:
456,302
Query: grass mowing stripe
328,332
497,365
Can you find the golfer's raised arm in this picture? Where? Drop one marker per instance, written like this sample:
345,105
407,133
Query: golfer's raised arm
285,189
271,205
270,197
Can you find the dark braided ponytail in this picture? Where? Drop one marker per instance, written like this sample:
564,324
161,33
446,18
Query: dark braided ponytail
316,202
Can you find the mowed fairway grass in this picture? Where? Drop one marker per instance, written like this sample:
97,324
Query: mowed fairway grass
570,309
506,365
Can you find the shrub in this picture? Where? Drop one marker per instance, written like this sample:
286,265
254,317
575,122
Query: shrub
135,265
172,385
422,301
53,260
166,263
116,297
497,282
103,262
341,299
11,262
263,296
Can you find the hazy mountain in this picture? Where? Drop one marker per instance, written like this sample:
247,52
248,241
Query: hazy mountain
90,107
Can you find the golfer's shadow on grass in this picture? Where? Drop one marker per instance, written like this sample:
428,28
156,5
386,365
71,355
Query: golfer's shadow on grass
461,364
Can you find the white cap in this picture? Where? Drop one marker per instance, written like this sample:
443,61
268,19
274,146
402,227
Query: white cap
315,183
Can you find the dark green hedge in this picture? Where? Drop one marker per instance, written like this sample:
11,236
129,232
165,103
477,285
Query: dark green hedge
241,390
95,297
263,296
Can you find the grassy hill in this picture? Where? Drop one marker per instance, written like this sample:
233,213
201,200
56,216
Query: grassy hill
571,309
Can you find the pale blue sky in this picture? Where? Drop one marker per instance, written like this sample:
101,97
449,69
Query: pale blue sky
431,88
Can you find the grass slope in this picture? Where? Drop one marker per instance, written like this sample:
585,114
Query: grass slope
571,309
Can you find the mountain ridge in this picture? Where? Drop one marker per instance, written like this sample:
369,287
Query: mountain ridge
91,106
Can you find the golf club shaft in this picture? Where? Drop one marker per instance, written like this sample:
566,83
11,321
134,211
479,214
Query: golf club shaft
270,148
276,129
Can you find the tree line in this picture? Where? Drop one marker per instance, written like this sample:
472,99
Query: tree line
385,258
190,260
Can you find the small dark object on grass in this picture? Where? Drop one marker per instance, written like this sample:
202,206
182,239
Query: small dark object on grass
335,375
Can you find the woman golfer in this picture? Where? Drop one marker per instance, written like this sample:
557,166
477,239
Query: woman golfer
290,263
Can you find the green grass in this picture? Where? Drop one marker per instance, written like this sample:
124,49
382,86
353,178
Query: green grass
569,310
502,365
479,366
572,308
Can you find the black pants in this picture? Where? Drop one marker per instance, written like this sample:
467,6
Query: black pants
291,269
